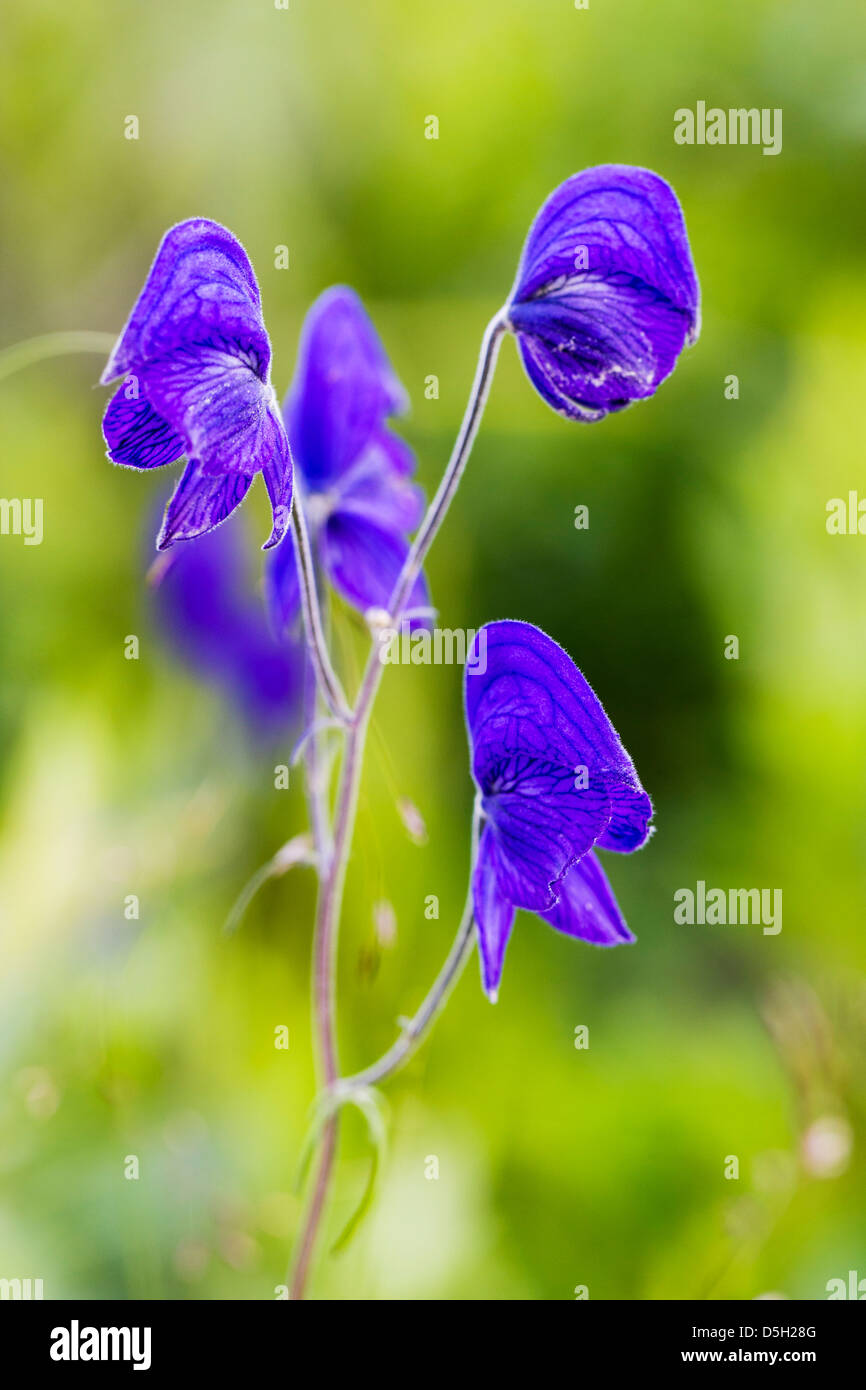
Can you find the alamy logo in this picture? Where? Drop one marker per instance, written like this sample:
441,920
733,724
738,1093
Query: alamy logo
846,517
443,646
21,1289
737,907
22,516
854,1288
76,1343
736,126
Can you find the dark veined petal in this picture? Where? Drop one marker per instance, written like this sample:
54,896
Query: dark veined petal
226,415
136,436
542,824
344,389
524,695
201,288
196,349
587,907
494,913
606,295
200,503
554,777
631,813
364,560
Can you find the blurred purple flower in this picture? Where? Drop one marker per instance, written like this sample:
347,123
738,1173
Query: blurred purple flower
354,475
554,782
196,361
606,295
213,619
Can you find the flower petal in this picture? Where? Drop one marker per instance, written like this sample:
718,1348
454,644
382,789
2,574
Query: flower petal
494,914
136,436
200,288
217,404
547,760
200,503
344,388
524,695
631,813
378,485
364,561
606,295
542,825
587,907
277,473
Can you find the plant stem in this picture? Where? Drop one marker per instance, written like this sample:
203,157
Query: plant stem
324,982
438,508
415,1030
307,1240
331,889
317,774
318,648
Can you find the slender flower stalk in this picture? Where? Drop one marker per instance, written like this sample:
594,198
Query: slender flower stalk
419,1025
317,764
438,508
329,905
328,680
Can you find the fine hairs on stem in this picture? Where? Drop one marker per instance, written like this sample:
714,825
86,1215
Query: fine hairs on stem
329,904
328,681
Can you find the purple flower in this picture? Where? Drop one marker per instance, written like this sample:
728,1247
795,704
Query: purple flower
208,609
196,361
354,475
606,295
554,782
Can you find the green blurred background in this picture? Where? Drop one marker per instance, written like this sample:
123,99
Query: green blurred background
155,1038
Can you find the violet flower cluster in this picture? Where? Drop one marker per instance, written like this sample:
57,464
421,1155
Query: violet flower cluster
605,299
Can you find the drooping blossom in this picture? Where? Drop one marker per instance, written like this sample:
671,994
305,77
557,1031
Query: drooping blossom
354,475
555,783
195,358
207,605
606,294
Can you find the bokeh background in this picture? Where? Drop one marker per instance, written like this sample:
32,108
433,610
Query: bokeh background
154,1037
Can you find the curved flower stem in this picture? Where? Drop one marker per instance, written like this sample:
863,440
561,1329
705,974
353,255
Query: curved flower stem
416,1028
325,674
32,350
317,765
324,971
438,508
331,888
